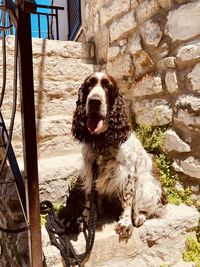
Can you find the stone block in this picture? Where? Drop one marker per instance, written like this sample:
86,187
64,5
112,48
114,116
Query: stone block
165,63
109,12
113,52
189,102
56,175
171,82
189,166
194,78
62,69
63,49
134,44
122,26
151,33
190,120
165,4
176,26
102,45
147,9
143,63
172,142
148,85
188,53
120,67
152,112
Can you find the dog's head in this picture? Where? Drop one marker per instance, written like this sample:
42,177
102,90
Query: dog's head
98,93
100,110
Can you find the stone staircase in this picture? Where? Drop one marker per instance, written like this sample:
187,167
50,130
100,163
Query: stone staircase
59,69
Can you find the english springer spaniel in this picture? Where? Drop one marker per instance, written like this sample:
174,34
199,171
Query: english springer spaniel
125,169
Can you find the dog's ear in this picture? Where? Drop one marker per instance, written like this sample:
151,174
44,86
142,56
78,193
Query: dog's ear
84,91
113,93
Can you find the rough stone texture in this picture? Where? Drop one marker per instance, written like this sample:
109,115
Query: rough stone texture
177,28
119,67
190,102
13,247
187,53
190,120
122,26
152,113
195,78
165,63
134,44
108,13
113,52
61,49
146,10
172,142
171,82
56,175
148,85
143,63
151,33
190,166
151,244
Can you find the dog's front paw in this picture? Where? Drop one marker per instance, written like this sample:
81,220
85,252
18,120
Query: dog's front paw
124,228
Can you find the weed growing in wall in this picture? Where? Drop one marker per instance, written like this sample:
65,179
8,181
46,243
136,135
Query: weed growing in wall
192,252
152,139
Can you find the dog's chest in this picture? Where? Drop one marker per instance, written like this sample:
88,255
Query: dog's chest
112,174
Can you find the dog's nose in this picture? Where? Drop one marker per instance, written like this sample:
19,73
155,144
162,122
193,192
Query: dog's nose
94,104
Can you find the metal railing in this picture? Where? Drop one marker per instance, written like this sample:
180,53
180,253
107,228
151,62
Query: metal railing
52,20
46,20
28,189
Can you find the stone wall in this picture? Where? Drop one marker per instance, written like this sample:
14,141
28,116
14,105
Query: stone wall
152,48
13,246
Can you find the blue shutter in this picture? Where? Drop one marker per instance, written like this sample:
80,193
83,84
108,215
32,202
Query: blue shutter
74,17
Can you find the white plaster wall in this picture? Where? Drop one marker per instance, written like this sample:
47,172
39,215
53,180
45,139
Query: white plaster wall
62,20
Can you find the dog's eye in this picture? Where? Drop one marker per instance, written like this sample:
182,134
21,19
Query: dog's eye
108,86
87,88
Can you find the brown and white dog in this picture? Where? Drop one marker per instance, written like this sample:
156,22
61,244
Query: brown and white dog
101,123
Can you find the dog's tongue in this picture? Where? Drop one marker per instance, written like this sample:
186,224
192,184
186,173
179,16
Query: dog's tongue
94,124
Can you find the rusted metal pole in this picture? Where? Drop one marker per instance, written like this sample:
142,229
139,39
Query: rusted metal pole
29,135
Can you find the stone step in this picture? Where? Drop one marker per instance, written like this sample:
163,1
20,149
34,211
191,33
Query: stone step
63,49
54,68
56,175
54,136
156,242
51,98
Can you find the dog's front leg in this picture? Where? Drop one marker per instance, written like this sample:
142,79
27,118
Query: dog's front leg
124,226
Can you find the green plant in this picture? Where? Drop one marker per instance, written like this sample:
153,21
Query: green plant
164,265
192,252
169,179
42,219
152,139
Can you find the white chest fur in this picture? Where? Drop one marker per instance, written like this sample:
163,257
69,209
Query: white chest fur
116,166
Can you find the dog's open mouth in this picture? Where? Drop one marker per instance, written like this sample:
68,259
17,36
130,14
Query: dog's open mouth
94,123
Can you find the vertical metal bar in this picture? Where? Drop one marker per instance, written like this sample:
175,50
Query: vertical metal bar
57,28
39,29
29,136
47,16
